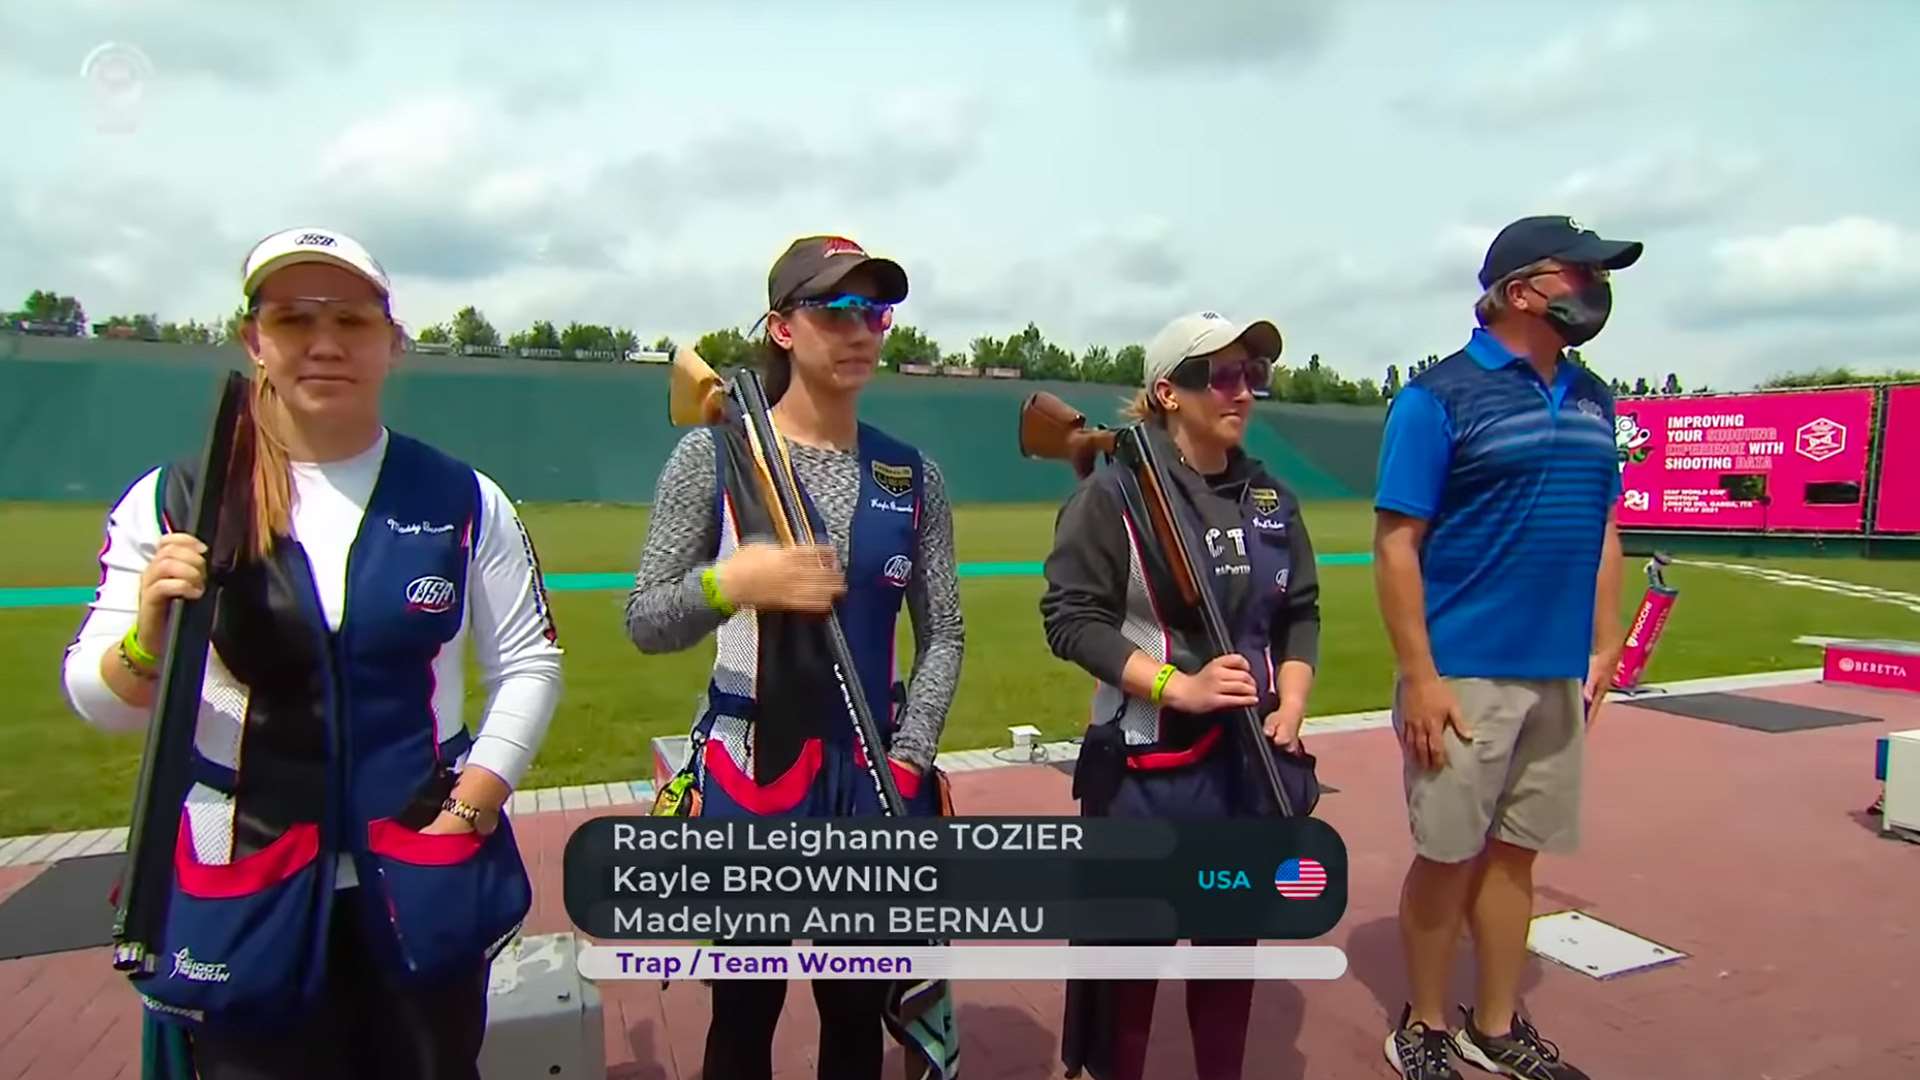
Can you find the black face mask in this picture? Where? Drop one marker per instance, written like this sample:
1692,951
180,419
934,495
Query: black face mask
1577,317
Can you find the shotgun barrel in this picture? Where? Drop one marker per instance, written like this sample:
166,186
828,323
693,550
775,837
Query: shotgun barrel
141,915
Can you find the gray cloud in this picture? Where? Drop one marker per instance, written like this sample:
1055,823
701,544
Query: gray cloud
249,44
1838,272
1152,35
1540,81
1880,347
83,237
466,213
1678,185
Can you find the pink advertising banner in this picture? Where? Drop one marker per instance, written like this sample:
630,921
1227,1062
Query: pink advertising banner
1899,494
1753,462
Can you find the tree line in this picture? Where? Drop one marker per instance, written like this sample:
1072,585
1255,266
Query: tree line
1028,352
1034,357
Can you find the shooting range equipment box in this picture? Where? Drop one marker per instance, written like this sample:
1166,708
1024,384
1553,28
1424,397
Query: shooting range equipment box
1900,810
1883,665
543,1019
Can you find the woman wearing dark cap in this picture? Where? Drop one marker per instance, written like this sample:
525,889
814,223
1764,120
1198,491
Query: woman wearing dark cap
1160,744
344,868
772,738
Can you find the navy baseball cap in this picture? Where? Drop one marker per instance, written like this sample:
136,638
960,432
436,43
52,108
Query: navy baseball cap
1553,236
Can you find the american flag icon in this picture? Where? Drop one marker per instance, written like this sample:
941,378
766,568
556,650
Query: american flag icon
1300,879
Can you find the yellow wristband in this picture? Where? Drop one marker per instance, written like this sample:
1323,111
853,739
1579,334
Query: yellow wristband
137,653
710,586
1167,672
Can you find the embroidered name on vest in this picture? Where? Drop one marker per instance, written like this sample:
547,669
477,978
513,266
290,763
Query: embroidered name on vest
432,595
418,527
893,479
186,967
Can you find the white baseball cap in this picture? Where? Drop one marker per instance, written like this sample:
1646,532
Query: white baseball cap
1204,332
291,247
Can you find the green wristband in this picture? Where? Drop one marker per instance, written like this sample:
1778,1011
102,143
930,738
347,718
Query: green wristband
710,586
135,651
1167,672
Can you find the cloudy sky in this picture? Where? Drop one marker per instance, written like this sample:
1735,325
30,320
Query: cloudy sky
1093,165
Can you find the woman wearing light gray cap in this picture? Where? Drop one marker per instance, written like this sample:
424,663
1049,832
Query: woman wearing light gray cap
1159,743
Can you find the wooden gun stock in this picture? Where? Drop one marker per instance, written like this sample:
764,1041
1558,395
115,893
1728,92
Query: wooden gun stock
1056,431
695,394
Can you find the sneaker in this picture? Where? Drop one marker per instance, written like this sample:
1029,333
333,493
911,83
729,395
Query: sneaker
1521,1052
1417,1052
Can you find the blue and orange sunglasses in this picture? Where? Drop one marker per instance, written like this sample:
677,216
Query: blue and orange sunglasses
843,310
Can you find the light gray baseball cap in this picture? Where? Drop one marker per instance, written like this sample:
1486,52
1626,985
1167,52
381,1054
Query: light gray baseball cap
1204,332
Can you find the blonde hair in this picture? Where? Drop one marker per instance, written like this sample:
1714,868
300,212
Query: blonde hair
271,482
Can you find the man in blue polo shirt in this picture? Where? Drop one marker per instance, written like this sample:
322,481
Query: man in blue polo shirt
1498,571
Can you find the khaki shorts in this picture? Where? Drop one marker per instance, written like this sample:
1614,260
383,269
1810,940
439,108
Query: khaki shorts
1517,781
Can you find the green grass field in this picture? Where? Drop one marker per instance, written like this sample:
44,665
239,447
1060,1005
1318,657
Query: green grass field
57,773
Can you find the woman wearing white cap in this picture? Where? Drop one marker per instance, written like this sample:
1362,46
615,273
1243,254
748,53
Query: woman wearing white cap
1159,744
344,868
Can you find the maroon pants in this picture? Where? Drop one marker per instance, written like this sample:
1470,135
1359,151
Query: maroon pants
1216,1018
1217,1011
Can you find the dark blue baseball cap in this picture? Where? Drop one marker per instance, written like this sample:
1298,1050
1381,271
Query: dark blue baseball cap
1553,236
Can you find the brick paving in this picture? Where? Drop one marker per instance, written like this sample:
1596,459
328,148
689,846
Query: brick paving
1749,851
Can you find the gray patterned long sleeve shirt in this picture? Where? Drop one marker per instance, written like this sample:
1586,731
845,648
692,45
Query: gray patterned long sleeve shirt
668,612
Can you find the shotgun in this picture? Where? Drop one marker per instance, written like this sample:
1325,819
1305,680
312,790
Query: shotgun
919,1015
696,394
1052,429
140,917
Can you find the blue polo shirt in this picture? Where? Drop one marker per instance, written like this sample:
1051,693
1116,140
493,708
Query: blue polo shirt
1515,479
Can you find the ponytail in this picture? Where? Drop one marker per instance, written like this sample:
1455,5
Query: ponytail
272,480
776,369
1143,406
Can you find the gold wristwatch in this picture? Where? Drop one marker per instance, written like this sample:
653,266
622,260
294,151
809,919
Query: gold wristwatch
464,811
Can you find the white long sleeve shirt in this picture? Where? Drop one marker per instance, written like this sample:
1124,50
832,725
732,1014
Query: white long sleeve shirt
505,618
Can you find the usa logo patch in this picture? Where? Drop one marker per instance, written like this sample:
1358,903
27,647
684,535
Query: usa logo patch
431,595
898,571
895,480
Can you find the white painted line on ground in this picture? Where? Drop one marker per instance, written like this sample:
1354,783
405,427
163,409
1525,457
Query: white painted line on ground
15,846
522,802
597,796
1907,600
38,853
110,842
546,800
573,798
620,794
78,846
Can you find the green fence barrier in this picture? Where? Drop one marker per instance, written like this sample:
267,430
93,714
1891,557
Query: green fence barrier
80,419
